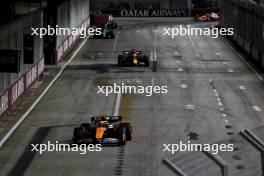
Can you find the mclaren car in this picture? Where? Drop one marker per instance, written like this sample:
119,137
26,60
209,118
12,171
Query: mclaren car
103,130
133,58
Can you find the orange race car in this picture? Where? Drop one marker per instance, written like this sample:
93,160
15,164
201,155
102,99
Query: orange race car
103,130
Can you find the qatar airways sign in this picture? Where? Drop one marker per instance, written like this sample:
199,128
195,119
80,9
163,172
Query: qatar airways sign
153,13
143,13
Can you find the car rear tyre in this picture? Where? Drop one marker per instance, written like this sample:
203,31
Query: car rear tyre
128,128
120,60
77,134
86,125
122,135
146,61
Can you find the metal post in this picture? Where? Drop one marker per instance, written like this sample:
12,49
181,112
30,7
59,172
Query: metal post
256,142
177,170
219,161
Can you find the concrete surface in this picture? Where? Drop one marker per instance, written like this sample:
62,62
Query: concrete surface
206,93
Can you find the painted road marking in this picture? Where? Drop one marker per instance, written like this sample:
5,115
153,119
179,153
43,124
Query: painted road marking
218,55
220,104
184,86
115,43
25,115
176,53
256,108
189,106
155,55
117,104
180,69
230,70
151,55
194,47
242,87
153,82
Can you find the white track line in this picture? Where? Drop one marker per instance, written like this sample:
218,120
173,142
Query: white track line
25,115
151,56
194,47
115,43
256,108
119,95
117,104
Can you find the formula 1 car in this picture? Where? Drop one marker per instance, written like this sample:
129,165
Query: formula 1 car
208,17
133,57
107,33
103,130
111,24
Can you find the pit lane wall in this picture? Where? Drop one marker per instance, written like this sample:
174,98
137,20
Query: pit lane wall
14,85
70,14
247,19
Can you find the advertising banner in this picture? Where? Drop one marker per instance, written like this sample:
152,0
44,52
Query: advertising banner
9,61
143,13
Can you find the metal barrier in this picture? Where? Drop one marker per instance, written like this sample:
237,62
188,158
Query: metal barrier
14,85
219,161
177,170
256,142
247,18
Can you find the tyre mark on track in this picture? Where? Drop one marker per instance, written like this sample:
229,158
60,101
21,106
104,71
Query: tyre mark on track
27,156
123,107
120,161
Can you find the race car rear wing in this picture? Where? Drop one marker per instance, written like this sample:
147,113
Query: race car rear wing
107,118
127,52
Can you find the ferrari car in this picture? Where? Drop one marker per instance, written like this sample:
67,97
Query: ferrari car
103,130
133,58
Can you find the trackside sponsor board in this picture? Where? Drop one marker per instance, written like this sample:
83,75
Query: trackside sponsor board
15,91
143,13
3,103
9,61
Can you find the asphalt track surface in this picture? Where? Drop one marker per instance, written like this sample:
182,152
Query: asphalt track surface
206,93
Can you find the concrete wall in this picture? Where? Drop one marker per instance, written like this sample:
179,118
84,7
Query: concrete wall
13,85
247,19
71,14
11,37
